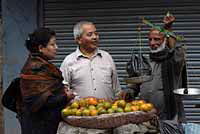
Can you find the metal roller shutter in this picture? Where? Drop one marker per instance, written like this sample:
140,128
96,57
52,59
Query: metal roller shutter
0,10
117,21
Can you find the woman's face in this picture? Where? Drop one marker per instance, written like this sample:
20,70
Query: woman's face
50,50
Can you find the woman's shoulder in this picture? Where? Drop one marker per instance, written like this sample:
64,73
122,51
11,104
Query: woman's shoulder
34,65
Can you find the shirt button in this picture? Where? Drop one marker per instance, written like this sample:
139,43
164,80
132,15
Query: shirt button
95,89
93,78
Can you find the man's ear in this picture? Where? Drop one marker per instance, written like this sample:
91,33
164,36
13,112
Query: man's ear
78,40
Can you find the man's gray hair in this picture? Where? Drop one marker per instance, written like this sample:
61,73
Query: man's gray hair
78,30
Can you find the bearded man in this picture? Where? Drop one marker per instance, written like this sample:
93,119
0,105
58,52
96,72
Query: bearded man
167,60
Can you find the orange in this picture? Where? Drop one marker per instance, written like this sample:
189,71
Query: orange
121,103
140,102
66,112
99,105
101,100
82,108
134,108
114,107
119,110
82,102
100,108
127,109
134,102
115,103
75,104
93,112
102,111
86,112
73,111
146,107
92,101
91,107
110,111
128,104
107,105
78,112
150,106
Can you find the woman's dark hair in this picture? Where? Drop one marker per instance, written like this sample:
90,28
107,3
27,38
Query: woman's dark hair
40,36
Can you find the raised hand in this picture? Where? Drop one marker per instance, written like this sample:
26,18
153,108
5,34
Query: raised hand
168,20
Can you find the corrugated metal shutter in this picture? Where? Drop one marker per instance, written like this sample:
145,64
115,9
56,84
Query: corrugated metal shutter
117,21
0,9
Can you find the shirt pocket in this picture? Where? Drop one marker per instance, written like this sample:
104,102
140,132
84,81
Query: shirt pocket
106,72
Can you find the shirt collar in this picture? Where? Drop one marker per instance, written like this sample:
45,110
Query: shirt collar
80,54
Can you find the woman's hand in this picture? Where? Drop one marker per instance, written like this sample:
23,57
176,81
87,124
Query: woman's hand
70,95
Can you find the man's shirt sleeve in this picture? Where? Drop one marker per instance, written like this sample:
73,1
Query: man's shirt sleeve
64,68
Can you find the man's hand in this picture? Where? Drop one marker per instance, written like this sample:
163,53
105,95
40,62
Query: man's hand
168,20
122,95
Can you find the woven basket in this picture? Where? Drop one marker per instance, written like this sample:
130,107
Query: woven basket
106,121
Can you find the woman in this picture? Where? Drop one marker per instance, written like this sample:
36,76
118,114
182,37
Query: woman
43,94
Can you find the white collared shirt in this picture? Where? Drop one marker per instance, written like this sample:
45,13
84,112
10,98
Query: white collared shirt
91,77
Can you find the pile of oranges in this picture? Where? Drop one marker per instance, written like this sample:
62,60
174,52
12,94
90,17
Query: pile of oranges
92,107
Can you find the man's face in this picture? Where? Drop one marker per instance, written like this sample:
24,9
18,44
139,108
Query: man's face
156,39
89,40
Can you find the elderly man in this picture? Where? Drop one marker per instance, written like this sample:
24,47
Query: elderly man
167,60
89,71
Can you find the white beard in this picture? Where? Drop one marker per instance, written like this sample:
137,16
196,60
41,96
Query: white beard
160,48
